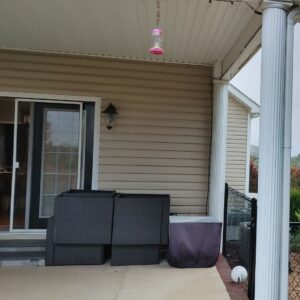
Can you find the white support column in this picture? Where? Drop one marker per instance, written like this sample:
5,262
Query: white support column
218,146
284,287
270,185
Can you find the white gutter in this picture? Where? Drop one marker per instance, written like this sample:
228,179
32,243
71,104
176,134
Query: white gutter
293,17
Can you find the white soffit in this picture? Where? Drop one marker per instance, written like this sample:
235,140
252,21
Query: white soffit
195,31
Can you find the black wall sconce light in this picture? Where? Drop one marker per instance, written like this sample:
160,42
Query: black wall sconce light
110,113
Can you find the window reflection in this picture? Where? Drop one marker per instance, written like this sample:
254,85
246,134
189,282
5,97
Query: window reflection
60,156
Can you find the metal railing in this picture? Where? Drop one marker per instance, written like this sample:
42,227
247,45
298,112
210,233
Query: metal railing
239,233
294,262
239,240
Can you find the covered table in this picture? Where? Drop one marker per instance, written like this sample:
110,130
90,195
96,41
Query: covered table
194,242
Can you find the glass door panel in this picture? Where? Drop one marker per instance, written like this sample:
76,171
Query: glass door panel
60,156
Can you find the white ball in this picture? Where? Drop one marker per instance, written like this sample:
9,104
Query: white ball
239,274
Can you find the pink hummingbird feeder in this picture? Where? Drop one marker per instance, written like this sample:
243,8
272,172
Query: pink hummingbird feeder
157,42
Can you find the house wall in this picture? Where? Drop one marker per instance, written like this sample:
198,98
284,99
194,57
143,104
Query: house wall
161,139
237,132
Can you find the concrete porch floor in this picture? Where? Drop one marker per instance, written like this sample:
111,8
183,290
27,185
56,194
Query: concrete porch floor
155,282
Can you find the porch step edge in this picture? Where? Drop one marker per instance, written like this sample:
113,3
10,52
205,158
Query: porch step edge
22,243
21,249
22,263
24,255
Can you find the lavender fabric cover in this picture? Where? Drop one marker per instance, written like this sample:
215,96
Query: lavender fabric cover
194,243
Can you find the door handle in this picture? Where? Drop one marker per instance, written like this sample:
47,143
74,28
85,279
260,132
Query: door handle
17,165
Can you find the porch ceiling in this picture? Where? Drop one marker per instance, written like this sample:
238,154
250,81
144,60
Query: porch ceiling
196,32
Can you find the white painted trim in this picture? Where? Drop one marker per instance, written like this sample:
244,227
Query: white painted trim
23,235
96,148
248,154
47,96
244,100
29,166
13,179
101,56
47,101
217,70
245,47
280,4
80,148
252,195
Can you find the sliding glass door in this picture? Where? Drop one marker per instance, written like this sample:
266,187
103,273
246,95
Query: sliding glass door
46,147
51,154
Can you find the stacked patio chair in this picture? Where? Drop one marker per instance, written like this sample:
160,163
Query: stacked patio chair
80,230
140,228
87,225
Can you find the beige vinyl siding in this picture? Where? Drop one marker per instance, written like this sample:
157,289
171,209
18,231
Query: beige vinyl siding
161,139
237,131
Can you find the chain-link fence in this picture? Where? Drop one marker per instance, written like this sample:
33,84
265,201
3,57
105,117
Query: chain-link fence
294,277
240,233
239,240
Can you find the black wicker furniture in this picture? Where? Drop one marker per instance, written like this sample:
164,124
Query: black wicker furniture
141,225
80,230
88,224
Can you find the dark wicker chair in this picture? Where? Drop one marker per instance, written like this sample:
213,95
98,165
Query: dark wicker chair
80,230
141,225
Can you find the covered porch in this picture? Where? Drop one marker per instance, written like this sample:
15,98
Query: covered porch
170,134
